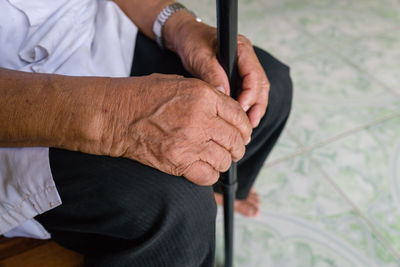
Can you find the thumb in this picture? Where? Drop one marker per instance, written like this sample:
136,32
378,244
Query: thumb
215,75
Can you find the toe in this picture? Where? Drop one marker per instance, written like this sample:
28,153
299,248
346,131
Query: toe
246,209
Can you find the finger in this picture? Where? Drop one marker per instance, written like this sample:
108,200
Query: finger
201,173
248,97
215,75
255,82
228,137
256,91
230,111
256,113
217,156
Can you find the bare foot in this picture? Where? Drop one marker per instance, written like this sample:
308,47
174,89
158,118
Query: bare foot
249,207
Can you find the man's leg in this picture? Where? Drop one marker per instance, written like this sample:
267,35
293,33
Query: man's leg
121,213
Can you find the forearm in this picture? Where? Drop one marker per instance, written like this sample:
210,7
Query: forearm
49,110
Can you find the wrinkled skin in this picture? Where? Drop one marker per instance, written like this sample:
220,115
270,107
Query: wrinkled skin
177,125
197,49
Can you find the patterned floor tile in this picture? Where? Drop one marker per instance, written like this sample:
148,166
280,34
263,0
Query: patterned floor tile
304,222
379,55
281,39
331,97
334,25
366,167
284,148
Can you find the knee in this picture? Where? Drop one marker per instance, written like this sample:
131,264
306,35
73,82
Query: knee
191,206
173,217
192,215
169,205
281,91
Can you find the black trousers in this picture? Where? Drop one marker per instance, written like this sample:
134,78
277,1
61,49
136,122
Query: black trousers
118,212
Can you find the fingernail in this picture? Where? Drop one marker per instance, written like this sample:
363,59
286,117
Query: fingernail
246,108
221,89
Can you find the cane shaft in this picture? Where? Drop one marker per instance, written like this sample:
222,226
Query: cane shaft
227,55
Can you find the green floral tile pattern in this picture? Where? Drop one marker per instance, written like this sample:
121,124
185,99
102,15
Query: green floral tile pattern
379,56
304,222
366,167
280,38
285,148
344,97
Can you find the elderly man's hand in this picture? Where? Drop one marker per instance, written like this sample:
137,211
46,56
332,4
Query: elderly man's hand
177,125
196,44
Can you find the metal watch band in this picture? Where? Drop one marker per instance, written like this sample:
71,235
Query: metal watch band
162,19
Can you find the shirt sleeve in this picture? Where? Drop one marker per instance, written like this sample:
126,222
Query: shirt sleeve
27,187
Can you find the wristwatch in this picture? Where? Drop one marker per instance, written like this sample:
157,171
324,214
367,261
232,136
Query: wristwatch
163,17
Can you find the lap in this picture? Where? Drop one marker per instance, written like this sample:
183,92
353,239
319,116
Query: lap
118,185
122,213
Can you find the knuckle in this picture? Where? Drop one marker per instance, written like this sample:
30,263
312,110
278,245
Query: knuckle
212,178
202,89
249,131
209,175
226,162
177,157
266,85
170,151
200,173
243,40
176,76
262,92
264,99
237,117
236,138
239,154
236,142
242,151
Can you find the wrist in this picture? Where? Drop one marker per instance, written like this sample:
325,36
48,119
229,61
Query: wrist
174,28
75,112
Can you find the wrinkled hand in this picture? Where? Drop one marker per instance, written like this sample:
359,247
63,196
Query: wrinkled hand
177,125
196,45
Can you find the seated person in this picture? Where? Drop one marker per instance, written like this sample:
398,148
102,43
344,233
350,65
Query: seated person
120,160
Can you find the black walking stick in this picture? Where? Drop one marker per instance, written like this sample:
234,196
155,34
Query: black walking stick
227,54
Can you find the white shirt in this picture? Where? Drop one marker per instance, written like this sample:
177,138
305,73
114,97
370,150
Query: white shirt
70,37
